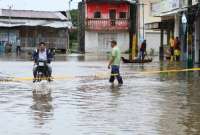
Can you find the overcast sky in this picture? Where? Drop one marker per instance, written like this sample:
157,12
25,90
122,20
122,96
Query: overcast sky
42,5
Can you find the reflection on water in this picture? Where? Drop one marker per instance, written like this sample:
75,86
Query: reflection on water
147,104
58,57
14,56
42,107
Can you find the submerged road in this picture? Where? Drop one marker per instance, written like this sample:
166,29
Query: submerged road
163,103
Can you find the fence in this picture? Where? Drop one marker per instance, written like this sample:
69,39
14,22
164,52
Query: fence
107,24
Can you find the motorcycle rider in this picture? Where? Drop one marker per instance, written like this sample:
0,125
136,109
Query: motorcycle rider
43,54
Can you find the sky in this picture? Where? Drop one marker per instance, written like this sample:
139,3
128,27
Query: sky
40,5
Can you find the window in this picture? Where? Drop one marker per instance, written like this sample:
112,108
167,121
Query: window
122,15
97,14
112,14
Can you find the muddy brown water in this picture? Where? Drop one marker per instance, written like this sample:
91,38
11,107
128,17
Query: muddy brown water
153,104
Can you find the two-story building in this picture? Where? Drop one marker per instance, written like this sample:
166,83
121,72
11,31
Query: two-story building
102,21
170,12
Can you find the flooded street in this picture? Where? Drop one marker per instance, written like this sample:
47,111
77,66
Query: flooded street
84,103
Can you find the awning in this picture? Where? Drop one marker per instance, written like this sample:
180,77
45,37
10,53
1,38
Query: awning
153,26
157,25
173,12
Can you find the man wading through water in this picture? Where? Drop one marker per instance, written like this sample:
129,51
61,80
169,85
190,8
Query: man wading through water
114,63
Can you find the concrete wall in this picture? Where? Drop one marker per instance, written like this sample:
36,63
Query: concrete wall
99,42
91,41
153,41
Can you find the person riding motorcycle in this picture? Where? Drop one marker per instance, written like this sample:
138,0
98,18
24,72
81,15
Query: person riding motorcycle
42,54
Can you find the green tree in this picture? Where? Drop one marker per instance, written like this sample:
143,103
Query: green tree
74,32
74,17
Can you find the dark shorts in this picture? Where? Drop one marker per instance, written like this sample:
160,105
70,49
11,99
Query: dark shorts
115,74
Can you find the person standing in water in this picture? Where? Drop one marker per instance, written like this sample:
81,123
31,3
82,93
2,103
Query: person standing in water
143,50
114,63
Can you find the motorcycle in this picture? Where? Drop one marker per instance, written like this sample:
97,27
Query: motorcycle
42,72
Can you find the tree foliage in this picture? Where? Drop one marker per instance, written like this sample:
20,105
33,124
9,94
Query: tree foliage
74,17
74,33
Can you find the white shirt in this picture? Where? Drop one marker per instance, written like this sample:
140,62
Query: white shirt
18,43
43,55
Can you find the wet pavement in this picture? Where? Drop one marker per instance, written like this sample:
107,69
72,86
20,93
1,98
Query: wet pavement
86,104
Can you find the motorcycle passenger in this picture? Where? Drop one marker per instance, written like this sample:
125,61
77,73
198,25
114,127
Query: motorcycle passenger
42,54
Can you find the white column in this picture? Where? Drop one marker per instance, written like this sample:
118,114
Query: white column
197,40
177,25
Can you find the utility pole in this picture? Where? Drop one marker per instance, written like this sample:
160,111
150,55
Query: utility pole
189,37
133,30
9,18
143,18
68,47
70,4
143,23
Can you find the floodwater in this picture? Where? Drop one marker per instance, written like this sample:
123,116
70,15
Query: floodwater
84,103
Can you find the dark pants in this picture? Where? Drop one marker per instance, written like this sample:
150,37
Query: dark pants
177,58
142,55
18,49
115,73
35,70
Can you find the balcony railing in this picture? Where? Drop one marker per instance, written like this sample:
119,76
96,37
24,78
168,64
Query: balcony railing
107,24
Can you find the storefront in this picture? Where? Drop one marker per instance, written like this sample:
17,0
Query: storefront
169,11
27,28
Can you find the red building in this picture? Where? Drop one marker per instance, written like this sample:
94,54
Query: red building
102,21
107,16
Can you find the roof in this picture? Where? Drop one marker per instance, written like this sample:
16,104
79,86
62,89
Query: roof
34,23
32,14
15,18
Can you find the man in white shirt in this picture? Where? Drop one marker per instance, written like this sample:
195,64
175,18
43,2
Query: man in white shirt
42,54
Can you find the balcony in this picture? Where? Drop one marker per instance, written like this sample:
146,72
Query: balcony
107,24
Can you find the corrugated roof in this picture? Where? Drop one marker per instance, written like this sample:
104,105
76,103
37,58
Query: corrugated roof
32,14
34,22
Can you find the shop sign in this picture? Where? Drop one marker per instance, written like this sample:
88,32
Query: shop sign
155,9
194,2
164,6
168,5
